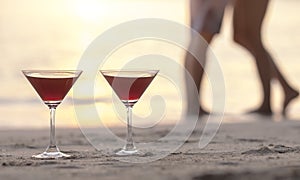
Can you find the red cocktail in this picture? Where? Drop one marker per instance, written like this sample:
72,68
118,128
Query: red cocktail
129,87
52,86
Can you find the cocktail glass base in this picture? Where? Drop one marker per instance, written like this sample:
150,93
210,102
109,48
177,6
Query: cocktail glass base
127,152
51,153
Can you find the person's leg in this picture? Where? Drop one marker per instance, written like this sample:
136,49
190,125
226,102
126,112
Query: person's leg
206,18
196,71
248,19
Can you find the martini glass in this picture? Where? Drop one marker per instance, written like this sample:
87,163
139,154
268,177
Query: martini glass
52,86
129,87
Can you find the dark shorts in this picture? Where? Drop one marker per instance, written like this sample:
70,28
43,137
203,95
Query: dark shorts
207,15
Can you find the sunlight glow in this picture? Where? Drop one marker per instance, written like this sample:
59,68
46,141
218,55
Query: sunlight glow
90,10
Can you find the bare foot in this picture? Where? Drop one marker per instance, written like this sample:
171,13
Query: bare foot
203,112
261,111
289,97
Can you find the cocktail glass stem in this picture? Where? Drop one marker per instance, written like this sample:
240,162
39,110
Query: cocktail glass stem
129,148
52,151
129,144
52,146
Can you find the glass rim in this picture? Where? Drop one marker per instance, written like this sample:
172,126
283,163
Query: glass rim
50,73
129,70
38,70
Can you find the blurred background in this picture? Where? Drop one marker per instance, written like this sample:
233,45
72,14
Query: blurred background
37,34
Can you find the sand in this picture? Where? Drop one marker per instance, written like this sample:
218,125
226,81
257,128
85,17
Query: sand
258,148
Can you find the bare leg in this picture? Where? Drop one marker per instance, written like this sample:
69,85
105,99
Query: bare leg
289,92
248,19
206,18
196,71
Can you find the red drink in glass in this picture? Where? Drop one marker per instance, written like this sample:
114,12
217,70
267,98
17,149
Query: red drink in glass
129,88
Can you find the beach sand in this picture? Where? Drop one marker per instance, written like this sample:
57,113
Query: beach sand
258,148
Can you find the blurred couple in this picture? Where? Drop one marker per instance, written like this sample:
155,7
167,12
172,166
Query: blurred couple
248,16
